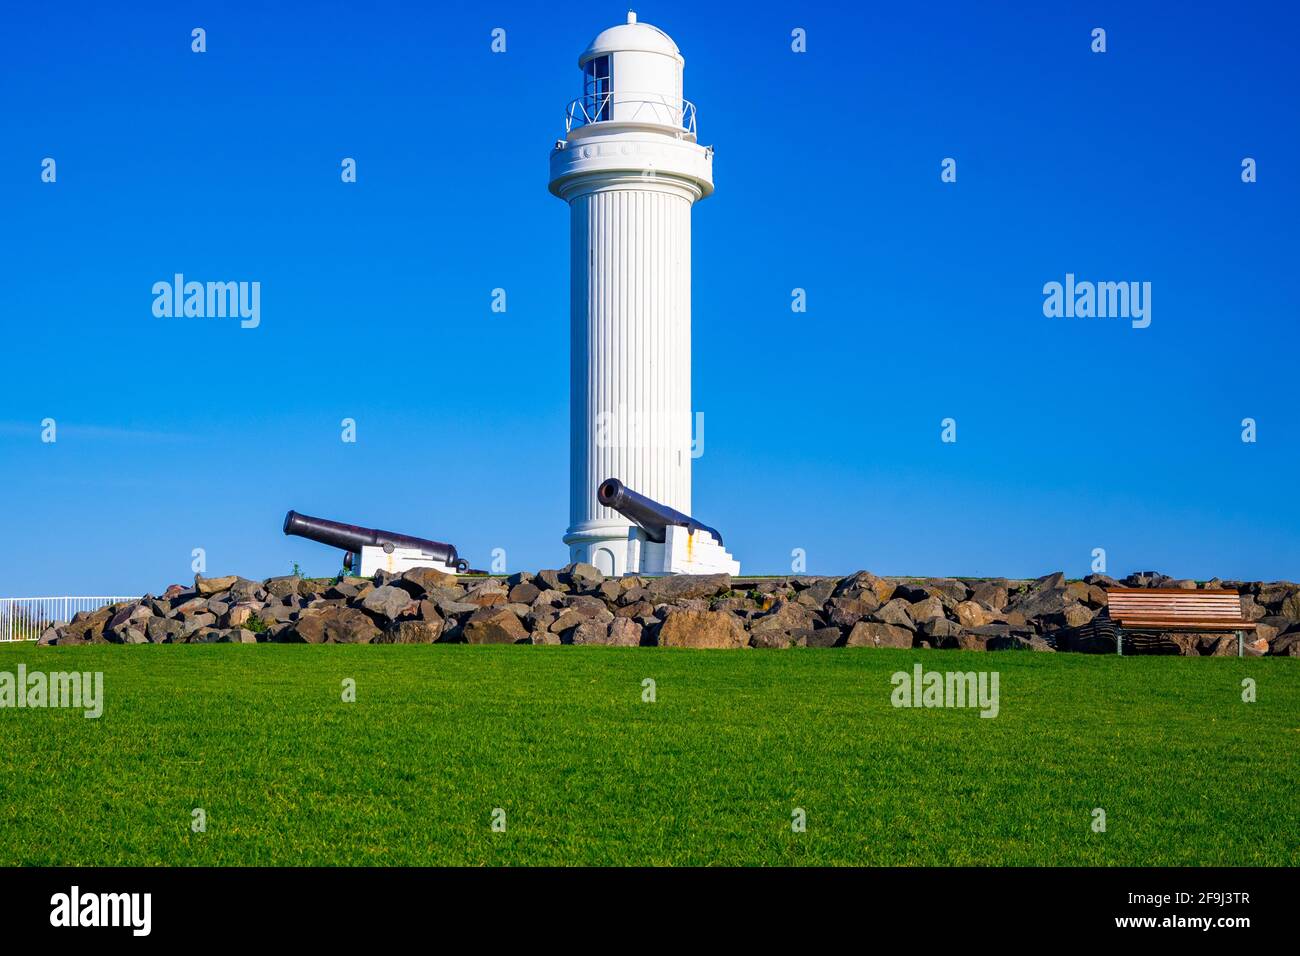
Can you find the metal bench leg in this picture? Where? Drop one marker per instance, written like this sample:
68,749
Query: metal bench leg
1119,641
1239,642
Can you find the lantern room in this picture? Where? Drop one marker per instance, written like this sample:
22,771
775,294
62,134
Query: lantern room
632,73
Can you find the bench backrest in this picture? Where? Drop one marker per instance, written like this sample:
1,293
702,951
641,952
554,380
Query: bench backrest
1172,604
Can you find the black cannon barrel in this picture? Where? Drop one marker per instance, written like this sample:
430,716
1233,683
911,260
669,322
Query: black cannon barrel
353,538
648,513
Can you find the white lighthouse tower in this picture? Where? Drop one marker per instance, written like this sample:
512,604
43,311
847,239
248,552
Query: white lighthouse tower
630,169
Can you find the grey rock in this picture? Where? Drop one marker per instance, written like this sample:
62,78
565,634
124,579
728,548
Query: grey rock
784,618
991,594
702,629
1047,595
877,634
893,612
283,586
1273,593
1072,615
209,586
238,635
164,630
949,591
1101,581
634,595
198,622
429,578
436,595
864,583
244,591
453,608
411,632
938,629
540,619
779,640
387,602
336,625
589,632
1014,642
494,625
624,632
549,580
640,609
922,611
820,637
1251,609
1288,645
131,617
524,593
571,617
847,611
911,591
678,587
549,598
277,613
189,607
816,591
582,576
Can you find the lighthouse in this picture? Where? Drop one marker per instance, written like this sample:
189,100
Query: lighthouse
630,167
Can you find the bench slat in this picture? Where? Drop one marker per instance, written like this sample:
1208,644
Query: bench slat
1234,605
1186,609
1175,612
1179,598
1187,623
1165,599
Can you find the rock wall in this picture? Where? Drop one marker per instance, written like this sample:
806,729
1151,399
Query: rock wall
577,605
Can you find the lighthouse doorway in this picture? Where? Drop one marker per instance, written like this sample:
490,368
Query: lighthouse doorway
603,559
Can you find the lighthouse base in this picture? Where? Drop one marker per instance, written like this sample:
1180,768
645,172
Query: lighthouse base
603,545
619,550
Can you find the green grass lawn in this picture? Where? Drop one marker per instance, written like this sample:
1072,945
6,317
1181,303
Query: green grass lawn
710,773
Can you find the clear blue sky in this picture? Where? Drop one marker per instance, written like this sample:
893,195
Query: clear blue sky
822,429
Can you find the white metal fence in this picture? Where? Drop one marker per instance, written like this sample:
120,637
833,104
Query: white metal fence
25,619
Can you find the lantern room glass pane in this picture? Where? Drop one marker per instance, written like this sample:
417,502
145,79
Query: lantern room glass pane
596,88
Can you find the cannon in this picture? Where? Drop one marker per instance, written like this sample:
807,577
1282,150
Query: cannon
653,517
370,550
665,541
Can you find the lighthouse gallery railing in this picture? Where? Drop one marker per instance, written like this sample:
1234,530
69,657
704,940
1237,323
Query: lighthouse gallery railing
645,108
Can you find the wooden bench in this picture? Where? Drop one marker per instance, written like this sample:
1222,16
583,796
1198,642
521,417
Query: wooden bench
1175,609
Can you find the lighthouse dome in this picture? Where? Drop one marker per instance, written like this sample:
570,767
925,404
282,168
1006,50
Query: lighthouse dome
631,37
